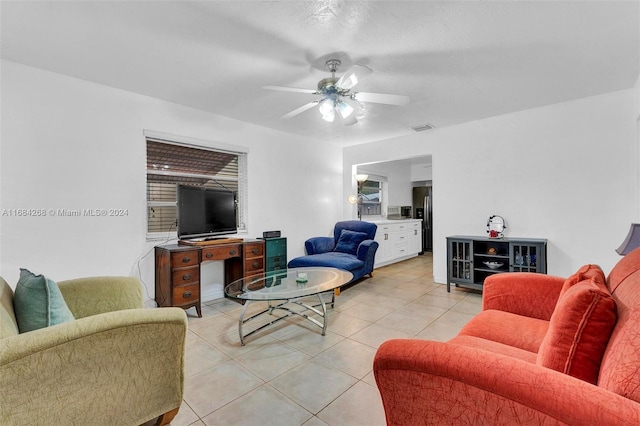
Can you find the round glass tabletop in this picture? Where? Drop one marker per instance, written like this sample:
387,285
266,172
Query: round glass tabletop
288,284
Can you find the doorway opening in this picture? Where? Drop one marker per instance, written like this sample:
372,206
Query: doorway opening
405,184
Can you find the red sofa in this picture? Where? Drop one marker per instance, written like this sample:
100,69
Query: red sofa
544,350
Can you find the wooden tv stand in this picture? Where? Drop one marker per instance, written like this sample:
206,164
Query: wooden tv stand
178,268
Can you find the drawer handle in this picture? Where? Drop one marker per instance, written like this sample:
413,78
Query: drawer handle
186,277
186,259
187,294
255,264
208,255
232,252
255,251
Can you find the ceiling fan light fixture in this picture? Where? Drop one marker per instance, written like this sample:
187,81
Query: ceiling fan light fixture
325,106
333,90
329,117
344,108
327,110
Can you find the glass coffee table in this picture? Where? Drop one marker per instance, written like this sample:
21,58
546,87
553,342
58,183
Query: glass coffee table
284,291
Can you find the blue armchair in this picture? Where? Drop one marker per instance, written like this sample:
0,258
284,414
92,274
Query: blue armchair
352,248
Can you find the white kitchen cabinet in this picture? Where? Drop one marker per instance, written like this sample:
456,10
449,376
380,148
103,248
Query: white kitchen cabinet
415,238
383,254
398,240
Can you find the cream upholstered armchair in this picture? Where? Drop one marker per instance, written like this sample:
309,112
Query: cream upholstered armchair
116,363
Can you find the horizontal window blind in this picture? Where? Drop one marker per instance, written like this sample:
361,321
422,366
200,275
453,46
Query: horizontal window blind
170,164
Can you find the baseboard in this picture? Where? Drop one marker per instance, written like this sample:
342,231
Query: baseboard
396,260
440,280
211,292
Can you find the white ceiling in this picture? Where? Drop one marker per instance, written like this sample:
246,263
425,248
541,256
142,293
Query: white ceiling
458,61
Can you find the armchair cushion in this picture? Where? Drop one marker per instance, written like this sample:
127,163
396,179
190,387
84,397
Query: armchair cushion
333,259
357,226
317,245
349,241
584,273
579,330
38,302
8,323
499,326
522,293
96,295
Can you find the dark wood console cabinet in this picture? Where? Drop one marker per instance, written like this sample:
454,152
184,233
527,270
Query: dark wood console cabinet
178,269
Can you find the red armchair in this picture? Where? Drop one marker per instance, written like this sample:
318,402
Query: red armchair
509,365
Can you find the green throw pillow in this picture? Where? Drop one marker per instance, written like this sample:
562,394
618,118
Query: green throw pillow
38,302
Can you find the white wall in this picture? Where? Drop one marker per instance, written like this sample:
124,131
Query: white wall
69,144
421,172
565,172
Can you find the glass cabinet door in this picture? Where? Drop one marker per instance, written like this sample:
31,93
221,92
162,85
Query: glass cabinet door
524,257
461,257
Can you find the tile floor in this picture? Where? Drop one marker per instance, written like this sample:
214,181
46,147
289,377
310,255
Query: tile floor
289,374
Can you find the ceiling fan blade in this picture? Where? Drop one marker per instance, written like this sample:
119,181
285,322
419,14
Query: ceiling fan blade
353,76
381,98
290,89
300,110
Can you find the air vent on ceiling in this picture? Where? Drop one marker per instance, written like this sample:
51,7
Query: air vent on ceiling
423,127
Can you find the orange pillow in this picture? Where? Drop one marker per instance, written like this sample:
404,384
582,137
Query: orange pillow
585,272
579,330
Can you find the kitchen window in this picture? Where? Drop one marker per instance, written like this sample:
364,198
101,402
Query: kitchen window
371,192
372,195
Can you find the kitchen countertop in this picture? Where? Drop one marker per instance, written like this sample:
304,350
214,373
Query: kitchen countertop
384,221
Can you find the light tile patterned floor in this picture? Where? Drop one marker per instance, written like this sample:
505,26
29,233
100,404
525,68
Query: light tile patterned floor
289,374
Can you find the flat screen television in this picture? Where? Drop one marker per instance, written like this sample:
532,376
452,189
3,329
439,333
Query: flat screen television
204,212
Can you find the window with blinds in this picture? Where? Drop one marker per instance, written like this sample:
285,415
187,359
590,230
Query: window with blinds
172,163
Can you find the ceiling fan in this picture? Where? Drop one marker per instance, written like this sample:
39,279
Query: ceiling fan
336,91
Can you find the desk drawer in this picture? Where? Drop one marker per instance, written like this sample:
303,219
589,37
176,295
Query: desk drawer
186,294
184,258
182,276
222,252
253,250
253,266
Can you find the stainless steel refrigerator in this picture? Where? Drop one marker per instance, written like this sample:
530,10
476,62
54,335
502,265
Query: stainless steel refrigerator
422,206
